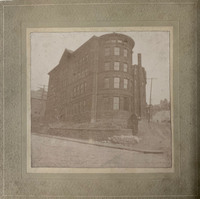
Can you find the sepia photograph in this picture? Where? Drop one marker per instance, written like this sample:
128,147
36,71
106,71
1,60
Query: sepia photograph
100,99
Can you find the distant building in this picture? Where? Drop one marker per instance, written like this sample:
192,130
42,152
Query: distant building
38,104
97,82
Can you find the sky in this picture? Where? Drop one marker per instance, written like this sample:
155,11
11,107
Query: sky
47,49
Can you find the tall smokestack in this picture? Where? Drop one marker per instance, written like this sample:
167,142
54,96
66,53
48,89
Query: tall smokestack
139,59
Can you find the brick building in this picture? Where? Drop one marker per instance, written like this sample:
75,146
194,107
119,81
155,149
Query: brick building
97,82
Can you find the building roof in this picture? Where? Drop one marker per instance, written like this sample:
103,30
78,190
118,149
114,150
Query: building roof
68,53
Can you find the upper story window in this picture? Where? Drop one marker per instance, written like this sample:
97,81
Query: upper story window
84,105
106,104
82,73
130,85
116,50
125,67
81,89
107,66
107,51
116,66
77,90
119,41
79,75
106,83
116,103
86,71
85,86
125,83
116,82
125,52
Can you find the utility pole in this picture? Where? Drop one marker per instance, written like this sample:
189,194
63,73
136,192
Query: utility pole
43,88
150,98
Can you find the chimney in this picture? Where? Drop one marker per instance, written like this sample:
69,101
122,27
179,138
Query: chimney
139,59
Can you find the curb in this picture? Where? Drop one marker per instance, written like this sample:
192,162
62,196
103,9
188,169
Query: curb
117,146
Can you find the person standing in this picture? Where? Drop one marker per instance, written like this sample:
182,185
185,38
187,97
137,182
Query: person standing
133,123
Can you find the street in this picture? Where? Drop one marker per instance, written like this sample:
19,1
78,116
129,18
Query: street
52,152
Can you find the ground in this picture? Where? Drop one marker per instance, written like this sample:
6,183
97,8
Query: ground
55,152
152,151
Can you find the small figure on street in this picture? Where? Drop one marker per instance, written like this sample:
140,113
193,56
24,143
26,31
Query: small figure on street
133,123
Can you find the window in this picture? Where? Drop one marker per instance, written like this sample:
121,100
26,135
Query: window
80,105
125,67
125,52
81,88
116,103
82,73
125,83
135,71
116,82
131,85
79,75
107,66
126,104
85,86
116,65
107,51
84,105
116,50
77,90
86,71
74,76
106,83
106,104
119,41
86,58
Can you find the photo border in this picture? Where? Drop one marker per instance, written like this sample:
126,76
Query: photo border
18,15
98,29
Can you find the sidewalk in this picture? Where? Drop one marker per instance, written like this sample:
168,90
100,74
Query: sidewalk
100,144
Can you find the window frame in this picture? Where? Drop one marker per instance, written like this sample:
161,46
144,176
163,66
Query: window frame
125,64
107,51
125,52
106,83
116,66
117,82
107,66
116,103
125,79
116,54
